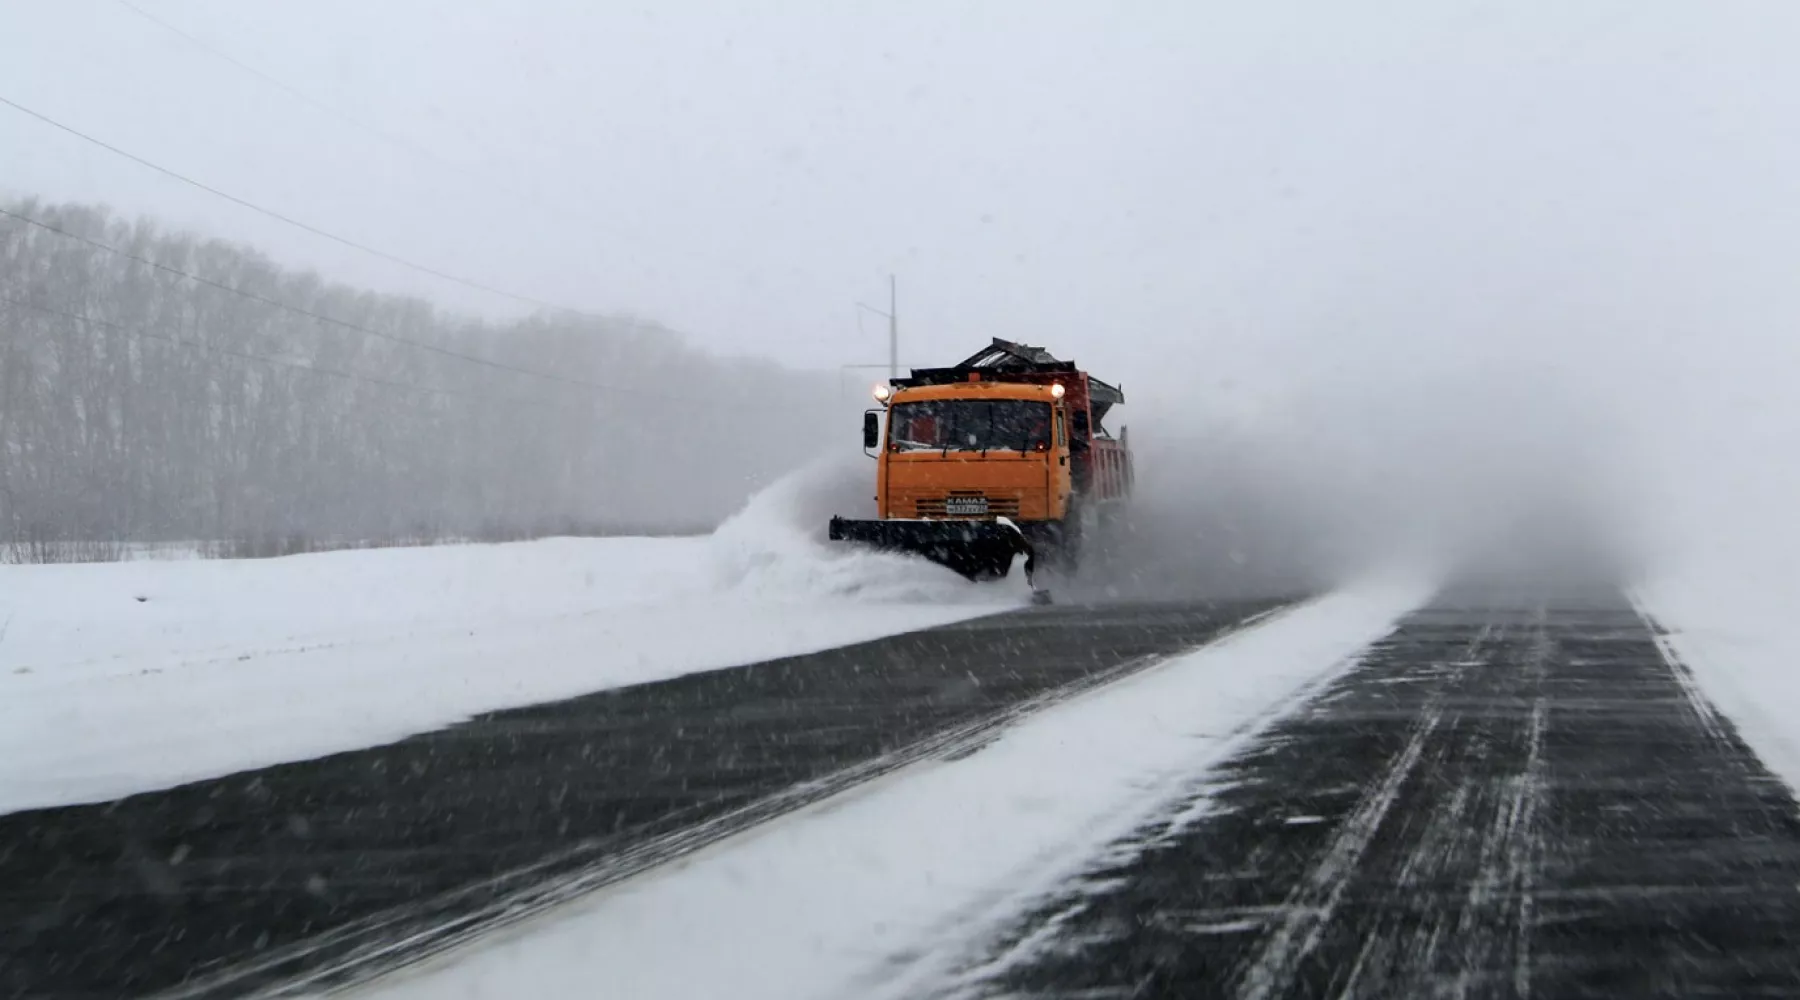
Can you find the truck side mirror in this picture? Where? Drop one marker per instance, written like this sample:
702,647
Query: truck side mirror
871,429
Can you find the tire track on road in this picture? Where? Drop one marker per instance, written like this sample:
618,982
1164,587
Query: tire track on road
1515,794
1311,906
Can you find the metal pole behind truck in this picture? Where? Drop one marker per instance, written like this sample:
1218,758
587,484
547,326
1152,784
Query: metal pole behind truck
893,318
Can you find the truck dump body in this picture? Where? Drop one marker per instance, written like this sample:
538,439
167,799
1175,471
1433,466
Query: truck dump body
1001,454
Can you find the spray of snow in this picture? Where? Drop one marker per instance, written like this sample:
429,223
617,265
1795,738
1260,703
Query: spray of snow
776,547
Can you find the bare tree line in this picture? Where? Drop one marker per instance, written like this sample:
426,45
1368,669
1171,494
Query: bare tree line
138,405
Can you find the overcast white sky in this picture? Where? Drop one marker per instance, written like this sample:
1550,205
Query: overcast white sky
1067,173
1352,206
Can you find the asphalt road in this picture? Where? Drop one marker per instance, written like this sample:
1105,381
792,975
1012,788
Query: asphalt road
326,871
1518,793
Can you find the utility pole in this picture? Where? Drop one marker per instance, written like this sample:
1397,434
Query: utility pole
893,318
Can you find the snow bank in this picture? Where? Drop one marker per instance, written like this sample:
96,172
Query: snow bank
145,613
1730,615
123,677
878,892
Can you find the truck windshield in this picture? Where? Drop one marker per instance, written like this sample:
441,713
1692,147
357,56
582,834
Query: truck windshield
970,425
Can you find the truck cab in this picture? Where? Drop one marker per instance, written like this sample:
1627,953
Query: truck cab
975,450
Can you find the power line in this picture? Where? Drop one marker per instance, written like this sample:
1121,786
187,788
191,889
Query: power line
297,310
286,88
303,97
288,220
558,209
142,334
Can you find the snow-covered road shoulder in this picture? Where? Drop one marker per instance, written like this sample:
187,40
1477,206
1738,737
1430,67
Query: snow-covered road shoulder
127,677
1733,629
880,891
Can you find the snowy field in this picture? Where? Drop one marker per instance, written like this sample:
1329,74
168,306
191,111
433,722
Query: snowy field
125,677
881,891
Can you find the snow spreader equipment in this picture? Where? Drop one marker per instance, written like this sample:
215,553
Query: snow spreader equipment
1005,454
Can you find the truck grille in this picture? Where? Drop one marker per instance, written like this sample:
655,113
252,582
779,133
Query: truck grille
997,506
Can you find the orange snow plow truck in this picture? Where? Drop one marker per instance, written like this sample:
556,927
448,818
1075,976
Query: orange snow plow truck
1005,454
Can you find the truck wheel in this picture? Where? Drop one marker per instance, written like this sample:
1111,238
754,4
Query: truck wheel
1072,540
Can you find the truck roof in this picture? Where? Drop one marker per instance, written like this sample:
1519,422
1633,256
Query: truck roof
1004,357
973,390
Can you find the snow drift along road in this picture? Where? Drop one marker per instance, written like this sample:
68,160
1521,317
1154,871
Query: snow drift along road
119,678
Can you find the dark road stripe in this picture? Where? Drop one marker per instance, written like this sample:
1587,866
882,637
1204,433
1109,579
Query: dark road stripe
350,863
1509,797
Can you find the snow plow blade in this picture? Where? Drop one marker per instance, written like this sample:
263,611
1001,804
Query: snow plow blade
979,550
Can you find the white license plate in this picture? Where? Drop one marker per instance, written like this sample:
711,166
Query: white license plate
965,506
